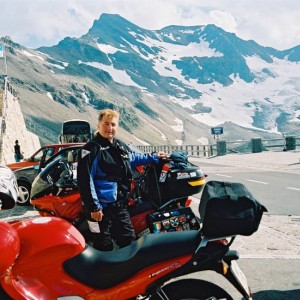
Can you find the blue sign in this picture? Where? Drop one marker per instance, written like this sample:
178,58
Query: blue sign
1,51
217,130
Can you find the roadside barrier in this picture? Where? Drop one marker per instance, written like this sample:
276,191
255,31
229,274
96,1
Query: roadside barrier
255,145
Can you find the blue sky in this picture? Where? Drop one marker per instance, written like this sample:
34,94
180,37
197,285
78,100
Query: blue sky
35,23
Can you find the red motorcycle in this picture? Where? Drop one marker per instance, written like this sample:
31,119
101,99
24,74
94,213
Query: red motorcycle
48,258
156,191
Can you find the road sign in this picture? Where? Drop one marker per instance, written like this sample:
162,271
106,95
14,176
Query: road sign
217,130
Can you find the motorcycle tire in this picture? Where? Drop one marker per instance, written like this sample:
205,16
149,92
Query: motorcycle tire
191,289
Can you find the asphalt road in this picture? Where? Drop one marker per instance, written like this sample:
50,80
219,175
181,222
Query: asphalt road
278,191
270,258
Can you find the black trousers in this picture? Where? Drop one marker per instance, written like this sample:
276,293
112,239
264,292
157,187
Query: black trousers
115,227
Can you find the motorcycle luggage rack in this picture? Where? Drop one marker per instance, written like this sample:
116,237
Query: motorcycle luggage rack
205,240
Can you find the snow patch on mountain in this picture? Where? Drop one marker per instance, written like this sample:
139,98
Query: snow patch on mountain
163,61
50,95
85,97
179,126
239,101
140,141
56,66
203,141
108,49
119,76
28,54
163,136
178,142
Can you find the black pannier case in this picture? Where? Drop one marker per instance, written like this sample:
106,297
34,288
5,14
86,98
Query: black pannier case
166,181
228,209
178,182
173,220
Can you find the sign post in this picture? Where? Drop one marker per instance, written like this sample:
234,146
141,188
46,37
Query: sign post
216,131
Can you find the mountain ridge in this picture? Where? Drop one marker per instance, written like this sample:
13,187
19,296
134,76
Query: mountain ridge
190,75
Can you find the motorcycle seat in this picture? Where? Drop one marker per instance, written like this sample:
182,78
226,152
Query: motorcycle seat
102,270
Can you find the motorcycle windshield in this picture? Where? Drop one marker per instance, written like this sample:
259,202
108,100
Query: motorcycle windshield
44,182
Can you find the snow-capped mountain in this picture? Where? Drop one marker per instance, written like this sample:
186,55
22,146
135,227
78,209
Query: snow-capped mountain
185,79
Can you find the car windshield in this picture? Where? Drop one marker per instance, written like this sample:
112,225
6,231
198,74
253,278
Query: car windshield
38,156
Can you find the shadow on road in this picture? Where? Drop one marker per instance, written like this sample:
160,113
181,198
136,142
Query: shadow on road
17,211
277,295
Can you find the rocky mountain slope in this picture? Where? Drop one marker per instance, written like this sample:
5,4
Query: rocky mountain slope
170,85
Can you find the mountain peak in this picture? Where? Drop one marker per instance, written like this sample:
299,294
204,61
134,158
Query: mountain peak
110,22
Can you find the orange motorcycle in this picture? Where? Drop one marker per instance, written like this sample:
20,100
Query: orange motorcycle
157,191
48,258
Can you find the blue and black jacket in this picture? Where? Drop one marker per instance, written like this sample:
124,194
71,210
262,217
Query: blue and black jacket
104,169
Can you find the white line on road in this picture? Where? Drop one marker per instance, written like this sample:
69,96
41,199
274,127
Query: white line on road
269,255
292,188
261,182
222,175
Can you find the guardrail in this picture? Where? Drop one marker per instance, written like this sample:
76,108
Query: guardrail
221,147
191,150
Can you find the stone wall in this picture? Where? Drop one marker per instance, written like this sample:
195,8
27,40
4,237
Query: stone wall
12,127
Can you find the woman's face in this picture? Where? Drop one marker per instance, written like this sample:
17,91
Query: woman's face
108,127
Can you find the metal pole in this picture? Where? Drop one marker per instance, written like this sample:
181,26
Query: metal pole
5,80
5,63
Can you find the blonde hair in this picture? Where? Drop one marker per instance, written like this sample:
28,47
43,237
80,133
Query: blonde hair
109,113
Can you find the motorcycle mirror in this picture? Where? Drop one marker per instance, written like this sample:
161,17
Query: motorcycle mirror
70,157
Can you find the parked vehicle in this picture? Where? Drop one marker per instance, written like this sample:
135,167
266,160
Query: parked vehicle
47,258
43,153
27,170
55,193
74,131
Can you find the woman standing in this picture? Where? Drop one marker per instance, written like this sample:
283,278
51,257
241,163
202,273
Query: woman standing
18,154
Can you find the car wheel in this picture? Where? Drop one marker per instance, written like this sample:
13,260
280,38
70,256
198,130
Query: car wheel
24,193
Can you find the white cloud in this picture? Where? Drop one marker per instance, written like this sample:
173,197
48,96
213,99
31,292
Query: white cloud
44,23
224,20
